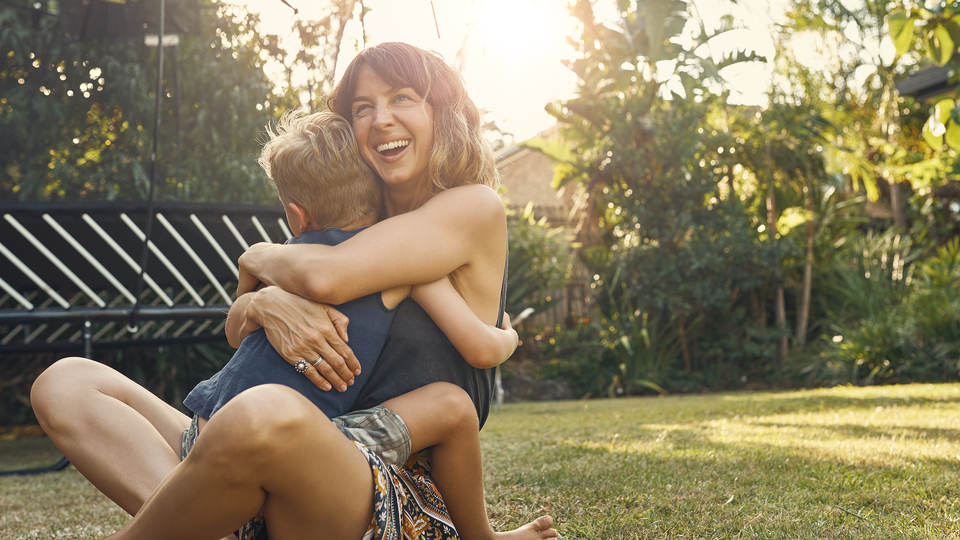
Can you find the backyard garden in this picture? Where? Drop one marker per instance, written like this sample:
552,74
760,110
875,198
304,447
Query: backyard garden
770,346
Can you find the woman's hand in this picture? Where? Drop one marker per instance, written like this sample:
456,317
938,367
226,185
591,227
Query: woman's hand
300,329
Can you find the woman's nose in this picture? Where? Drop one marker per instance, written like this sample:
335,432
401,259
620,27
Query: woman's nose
383,118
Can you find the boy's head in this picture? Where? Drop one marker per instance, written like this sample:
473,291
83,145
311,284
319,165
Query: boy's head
314,162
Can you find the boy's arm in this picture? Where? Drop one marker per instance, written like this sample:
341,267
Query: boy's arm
481,345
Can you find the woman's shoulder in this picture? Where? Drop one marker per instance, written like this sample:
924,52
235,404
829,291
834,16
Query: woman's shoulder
474,199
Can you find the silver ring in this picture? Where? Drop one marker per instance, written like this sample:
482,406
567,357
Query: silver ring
301,366
317,362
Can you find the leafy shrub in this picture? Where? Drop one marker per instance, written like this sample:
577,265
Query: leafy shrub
577,357
899,319
540,261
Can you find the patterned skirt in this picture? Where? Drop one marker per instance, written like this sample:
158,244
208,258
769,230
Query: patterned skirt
406,504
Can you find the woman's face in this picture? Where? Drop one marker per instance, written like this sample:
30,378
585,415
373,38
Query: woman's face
394,128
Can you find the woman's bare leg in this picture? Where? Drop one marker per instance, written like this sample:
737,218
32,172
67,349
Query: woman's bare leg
267,448
121,437
442,416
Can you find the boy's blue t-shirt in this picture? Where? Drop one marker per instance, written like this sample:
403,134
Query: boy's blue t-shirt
256,362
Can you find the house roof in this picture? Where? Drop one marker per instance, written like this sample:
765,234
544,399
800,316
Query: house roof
927,83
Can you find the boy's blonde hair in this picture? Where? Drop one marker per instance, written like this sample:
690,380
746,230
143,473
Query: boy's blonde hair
314,161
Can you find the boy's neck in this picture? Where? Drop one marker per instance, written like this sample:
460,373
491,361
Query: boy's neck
366,222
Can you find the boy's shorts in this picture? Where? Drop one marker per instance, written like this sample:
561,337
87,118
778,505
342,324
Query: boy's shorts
379,429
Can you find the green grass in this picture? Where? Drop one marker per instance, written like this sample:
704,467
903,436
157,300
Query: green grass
878,462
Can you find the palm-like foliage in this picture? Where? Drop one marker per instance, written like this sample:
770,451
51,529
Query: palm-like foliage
540,262
653,212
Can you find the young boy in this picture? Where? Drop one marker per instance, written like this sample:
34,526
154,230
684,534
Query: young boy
329,194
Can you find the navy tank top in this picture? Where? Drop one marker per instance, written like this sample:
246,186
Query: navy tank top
416,353
256,362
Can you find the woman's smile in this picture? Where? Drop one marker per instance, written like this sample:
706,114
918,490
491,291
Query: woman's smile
386,148
394,128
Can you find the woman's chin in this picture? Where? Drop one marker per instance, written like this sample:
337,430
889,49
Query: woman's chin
403,179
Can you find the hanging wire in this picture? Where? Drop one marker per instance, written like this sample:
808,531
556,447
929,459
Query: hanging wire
295,10
145,252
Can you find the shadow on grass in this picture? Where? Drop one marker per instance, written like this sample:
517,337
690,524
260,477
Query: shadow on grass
692,486
27,453
791,402
679,408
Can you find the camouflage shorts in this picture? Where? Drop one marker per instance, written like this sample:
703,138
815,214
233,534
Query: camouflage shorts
379,429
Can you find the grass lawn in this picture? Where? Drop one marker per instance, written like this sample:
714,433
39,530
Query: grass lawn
879,462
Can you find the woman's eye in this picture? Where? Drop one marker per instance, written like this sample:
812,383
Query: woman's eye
360,109
403,97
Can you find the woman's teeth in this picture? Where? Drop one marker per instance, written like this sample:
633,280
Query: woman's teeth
391,145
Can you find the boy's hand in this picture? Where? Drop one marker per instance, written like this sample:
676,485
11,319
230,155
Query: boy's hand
505,325
249,267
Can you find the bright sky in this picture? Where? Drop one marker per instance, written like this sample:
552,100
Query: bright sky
514,48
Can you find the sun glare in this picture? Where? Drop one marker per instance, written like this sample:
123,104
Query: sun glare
521,32
513,60
510,51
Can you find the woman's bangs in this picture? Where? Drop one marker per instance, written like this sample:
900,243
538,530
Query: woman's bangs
399,68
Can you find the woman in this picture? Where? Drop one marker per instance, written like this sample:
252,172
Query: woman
270,448
419,148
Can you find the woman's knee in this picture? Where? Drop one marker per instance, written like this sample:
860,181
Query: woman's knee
60,383
262,421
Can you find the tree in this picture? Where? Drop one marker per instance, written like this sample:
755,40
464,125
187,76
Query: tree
77,118
870,113
647,144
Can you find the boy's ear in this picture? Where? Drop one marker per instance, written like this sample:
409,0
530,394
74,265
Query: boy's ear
297,213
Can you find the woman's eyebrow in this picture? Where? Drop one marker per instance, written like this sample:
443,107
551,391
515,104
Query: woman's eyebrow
391,90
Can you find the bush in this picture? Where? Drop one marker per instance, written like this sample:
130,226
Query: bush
900,317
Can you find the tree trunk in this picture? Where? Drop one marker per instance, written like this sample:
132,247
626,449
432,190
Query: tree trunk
687,363
782,325
803,314
343,17
890,125
896,205
781,308
759,312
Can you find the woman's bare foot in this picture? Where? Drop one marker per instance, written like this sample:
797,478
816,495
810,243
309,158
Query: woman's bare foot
537,529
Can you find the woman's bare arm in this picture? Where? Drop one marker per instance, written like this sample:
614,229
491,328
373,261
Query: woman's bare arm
451,230
240,323
298,329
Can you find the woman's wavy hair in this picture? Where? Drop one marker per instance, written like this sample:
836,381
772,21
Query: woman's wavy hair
461,155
